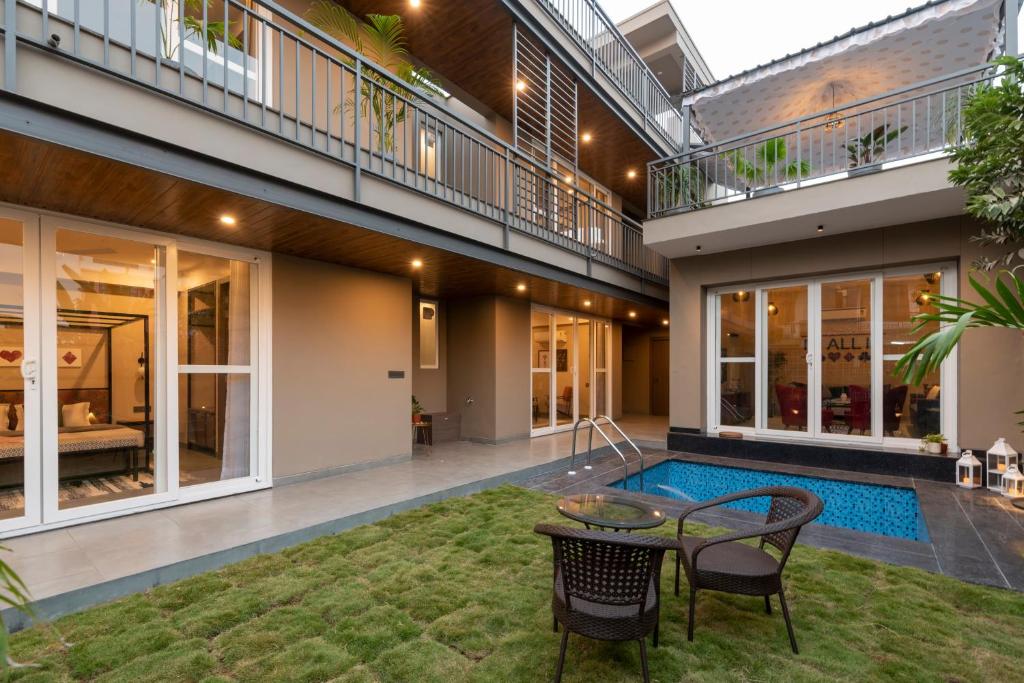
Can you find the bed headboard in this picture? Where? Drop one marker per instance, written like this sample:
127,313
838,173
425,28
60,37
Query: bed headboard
99,400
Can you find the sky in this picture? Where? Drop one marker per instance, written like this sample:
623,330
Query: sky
735,35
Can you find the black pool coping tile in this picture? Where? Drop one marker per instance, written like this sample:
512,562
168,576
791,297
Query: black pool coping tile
975,535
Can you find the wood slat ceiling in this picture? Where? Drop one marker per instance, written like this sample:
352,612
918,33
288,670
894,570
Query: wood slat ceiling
55,178
470,45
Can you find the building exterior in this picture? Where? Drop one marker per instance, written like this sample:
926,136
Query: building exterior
810,225
236,241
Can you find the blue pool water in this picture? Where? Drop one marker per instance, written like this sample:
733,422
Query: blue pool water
885,510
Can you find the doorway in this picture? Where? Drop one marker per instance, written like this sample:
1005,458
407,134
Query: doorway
659,376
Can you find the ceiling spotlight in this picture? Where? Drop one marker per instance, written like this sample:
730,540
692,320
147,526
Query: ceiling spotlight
821,228
772,309
227,219
417,263
631,173
587,137
568,179
586,302
520,86
521,287
664,322
632,314
414,4
698,247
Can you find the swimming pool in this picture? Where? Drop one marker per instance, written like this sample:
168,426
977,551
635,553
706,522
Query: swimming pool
884,510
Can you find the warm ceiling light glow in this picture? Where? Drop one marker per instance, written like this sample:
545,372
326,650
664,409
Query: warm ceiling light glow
520,86
417,263
586,302
587,137
568,178
414,4
227,219
152,260
520,287
664,322
631,173
632,314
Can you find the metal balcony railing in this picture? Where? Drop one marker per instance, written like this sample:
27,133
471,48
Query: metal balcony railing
282,76
593,32
913,123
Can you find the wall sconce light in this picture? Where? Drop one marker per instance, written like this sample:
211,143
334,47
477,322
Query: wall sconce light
141,370
932,278
740,296
772,309
923,298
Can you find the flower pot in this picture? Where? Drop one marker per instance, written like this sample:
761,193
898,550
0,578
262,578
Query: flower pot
417,418
936,448
864,170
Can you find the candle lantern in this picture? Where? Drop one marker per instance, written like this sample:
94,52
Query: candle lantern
997,461
968,471
1013,483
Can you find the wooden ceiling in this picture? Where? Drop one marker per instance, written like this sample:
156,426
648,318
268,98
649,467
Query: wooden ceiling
55,178
469,44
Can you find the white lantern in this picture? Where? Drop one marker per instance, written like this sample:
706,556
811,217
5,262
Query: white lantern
968,471
998,461
1013,483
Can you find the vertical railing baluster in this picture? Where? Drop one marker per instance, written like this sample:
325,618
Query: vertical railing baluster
298,92
224,49
357,109
131,36
106,32
206,56
245,64
280,82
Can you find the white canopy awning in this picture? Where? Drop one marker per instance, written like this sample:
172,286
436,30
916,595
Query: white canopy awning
939,38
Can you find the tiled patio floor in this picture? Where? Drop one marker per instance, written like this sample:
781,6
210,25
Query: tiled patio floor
976,536
71,568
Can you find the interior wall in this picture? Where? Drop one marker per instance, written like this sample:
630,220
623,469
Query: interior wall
430,386
990,362
636,371
337,333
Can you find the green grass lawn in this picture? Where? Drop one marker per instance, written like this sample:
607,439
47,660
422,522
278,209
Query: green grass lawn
460,590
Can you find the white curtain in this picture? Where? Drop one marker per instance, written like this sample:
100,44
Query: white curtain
236,405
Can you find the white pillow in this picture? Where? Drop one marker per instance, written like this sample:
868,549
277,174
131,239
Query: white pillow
75,414
19,417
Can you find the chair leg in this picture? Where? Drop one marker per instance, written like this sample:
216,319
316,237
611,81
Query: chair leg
677,573
657,626
554,624
693,608
643,660
561,655
767,604
789,623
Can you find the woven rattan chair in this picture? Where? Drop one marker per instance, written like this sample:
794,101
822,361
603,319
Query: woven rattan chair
606,586
723,564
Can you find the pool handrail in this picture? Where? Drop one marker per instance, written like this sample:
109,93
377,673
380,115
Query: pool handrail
593,424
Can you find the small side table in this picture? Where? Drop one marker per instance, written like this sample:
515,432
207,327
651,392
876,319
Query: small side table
607,511
421,428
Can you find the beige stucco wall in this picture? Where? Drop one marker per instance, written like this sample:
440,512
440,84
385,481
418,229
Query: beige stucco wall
336,334
990,362
512,363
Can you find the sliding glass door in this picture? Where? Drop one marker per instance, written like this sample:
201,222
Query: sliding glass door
815,358
569,369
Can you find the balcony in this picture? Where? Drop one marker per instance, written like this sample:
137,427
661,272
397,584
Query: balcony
608,52
281,77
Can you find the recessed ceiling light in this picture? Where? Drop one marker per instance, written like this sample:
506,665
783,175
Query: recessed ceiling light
631,173
587,137
521,287
520,86
414,4
227,219
698,247
568,178
821,228
632,314
664,322
417,263
586,302
152,260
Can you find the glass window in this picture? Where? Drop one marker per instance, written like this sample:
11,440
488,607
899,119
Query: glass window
785,318
737,344
737,321
214,402
846,356
12,353
908,411
428,334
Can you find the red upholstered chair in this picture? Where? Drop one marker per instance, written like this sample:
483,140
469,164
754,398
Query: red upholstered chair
792,405
859,415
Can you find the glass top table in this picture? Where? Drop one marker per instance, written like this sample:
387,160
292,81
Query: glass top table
609,511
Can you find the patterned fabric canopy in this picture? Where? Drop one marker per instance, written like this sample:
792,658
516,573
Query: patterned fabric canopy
941,37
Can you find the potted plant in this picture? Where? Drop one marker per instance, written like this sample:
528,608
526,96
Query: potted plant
935,444
190,26
864,152
681,186
769,166
417,411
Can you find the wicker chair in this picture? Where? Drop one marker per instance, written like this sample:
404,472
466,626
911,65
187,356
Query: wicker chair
607,586
723,564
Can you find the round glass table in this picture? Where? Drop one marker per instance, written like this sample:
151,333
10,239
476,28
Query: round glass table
608,511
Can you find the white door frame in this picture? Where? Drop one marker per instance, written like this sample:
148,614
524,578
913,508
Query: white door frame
948,373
